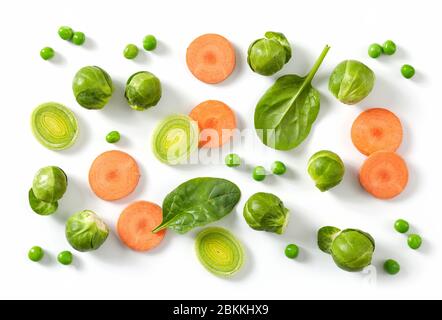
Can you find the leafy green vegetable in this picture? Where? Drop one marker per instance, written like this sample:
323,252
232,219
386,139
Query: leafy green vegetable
50,184
326,169
266,212
326,235
143,90
41,207
351,81
286,112
92,87
198,202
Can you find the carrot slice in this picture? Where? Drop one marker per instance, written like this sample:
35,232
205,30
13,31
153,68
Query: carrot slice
136,223
210,58
384,174
375,130
114,175
216,122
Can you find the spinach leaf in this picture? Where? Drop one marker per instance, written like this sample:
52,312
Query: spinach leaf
286,112
198,202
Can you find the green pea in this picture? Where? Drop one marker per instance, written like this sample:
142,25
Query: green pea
292,251
65,32
113,137
259,173
36,254
414,241
278,168
65,257
407,71
401,226
78,38
391,266
389,47
47,53
131,51
232,160
149,42
374,50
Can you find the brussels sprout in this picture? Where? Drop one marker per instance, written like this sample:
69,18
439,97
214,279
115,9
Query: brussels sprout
50,184
40,207
351,249
266,212
268,55
92,87
351,81
326,169
85,231
143,90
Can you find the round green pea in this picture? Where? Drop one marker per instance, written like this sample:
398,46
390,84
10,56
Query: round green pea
65,32
391,266
389,47
259,173
407,71
278,168
78,38
414,241
401,226
292,251
47,53
65,257
36,254
149,42
374,50
113,137
131,51
232,160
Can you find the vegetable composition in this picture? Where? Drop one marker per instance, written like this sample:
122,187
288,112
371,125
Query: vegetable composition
92,87
136,223
286,112
351,81
149,42
414,241
326,169
65,258
384,174
232,160
351,249
130,51
389,47
407,71
216,122
268,55
113,137
219,251
114,175
175,139
47,53
211,58
278,168
85,231
376,129
54,126
266,212
198,202
259,173
291,251
392,267
36,254
401,226
143,90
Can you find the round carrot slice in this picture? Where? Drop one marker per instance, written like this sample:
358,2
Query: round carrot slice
384,174
136,223
210,58
114,175
216,122
375,130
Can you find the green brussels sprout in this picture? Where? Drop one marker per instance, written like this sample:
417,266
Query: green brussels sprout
85,231
92,87
143,90
50,184
351,81
268,55
351,249
266,212
326,169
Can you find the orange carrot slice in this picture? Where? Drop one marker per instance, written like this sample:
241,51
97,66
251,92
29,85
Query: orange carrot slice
216,122
375,130
136,223
210,58
113,175
384,174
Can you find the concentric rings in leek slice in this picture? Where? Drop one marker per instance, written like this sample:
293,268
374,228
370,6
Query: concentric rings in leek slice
175,138
219,251
54,126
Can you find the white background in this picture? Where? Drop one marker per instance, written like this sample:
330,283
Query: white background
172,270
